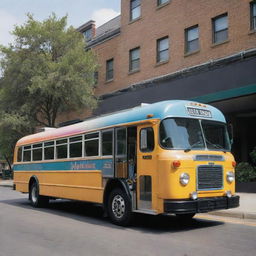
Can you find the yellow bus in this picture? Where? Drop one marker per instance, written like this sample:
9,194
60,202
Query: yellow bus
170,157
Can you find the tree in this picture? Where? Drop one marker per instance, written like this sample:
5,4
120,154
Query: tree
44,73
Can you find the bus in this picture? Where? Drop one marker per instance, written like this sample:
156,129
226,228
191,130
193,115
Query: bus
169,157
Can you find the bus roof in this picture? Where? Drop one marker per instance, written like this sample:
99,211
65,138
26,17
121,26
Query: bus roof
159,110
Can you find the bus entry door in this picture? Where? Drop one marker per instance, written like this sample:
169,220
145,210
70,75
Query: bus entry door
121,153
146,170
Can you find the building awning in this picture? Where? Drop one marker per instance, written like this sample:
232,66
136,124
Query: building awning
226,94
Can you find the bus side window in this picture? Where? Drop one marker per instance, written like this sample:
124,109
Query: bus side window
75,146
37,152
107,143
19,159
49,150
147,139
91,144
62,148
27,153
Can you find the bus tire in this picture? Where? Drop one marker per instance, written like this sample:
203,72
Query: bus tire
36,200
119,207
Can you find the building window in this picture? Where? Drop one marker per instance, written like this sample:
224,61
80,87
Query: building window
88,34
253,15
191,39
161,2
134,59
220,28
163,49
109,69
135,9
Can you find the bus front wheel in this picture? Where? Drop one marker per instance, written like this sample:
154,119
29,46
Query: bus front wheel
119,207
35,199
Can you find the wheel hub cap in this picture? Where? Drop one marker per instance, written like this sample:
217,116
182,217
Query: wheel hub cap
118,206
33,195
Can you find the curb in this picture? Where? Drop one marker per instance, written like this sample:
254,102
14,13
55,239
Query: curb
6,184
235,214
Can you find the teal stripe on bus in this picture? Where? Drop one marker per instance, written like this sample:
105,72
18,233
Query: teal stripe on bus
104,165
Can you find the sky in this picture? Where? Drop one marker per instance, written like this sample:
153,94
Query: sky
13,12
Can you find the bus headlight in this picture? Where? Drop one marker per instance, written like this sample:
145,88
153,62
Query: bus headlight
184,178
230,177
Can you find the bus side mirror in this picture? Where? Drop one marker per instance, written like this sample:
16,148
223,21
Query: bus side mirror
231,133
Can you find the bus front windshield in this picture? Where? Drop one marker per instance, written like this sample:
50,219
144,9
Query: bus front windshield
188,134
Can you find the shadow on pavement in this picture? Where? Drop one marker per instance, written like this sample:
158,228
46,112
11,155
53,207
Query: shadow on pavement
93,214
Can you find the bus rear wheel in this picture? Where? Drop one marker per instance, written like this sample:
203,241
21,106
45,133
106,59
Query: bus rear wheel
35,199
119,207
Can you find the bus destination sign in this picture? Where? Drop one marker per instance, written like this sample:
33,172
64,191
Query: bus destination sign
199,112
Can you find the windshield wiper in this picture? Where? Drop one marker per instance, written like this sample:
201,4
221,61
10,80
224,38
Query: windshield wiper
217,146
192,146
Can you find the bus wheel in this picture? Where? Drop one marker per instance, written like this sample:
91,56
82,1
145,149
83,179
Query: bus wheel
35,199
119,208
185,216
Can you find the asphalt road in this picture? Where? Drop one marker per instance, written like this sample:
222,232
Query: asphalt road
73,228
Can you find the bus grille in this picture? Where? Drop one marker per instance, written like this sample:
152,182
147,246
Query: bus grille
209,177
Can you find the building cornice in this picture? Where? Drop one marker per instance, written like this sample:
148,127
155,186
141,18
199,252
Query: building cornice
103,38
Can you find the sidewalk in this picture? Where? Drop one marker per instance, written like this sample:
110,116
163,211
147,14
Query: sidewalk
6,183
246,210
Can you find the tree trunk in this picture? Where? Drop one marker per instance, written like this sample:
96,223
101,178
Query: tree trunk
8,162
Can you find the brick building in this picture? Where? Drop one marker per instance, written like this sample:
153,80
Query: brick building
181,49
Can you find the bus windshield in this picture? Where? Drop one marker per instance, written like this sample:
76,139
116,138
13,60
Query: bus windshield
188,134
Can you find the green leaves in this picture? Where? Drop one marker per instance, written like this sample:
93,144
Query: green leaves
45,73
246,172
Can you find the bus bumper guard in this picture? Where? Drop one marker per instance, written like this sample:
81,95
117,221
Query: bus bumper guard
200,205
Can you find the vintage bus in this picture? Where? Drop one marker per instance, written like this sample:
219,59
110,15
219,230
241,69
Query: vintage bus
170,157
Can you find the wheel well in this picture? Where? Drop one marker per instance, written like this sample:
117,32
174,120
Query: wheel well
112,184
31,181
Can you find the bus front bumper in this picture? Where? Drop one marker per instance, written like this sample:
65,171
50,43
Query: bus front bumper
200,205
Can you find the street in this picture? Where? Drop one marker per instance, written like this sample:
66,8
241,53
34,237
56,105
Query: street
77,228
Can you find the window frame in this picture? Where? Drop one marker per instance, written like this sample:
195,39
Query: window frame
159,3
74,142
20,154
88,34
27,150
214,32
109,70
84,142
54,150
134,8
252,16
113,141
158,51
131,61
59,145
154,145
187,42
35,148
